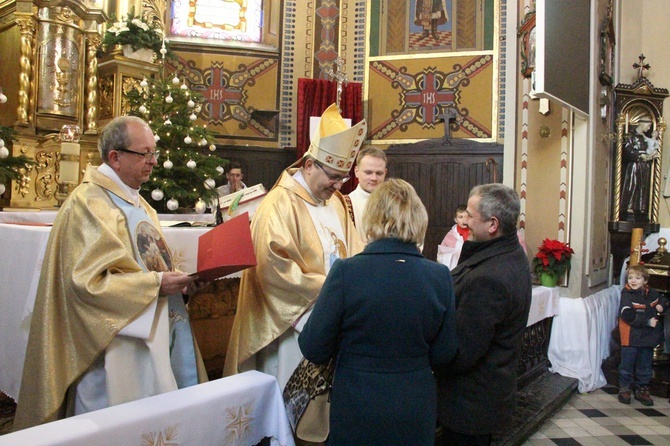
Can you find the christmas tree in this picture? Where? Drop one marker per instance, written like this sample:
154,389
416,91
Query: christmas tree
9,165
185,177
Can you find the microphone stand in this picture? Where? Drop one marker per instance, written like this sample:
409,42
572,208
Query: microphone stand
218,216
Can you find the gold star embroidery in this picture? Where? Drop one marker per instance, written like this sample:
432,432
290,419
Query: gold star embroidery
238,422
157,438
178,258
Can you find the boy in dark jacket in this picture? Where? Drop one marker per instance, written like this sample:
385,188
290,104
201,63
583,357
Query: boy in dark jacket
640,331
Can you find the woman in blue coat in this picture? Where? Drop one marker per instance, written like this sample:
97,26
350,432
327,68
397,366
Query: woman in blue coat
387,315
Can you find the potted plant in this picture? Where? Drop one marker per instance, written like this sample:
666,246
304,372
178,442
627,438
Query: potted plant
552,261
135,35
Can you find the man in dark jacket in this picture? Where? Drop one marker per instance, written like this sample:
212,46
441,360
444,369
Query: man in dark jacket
477,391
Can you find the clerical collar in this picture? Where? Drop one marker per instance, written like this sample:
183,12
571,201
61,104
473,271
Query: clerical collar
134,194
301,180
362,191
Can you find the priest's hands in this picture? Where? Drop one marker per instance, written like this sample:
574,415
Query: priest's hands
174,282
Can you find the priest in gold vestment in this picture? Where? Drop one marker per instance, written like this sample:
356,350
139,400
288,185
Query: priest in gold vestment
106,327
301,227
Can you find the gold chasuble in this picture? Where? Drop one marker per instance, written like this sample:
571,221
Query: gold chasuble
91,286
290,271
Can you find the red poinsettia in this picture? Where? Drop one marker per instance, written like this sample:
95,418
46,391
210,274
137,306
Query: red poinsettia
553,257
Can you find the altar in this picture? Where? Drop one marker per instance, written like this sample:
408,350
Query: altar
238,410
23,245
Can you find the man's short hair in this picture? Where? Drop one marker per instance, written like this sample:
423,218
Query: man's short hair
115,135
371,151
235,165
500,201
395,210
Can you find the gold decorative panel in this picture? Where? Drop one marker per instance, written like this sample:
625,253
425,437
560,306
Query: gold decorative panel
60,58
37,187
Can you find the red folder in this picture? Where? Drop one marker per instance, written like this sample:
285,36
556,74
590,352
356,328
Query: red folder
225,249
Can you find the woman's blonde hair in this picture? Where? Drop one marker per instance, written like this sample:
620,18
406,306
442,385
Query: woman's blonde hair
394,210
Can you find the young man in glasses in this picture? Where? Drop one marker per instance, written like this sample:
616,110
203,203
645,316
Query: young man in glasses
103,317
299,230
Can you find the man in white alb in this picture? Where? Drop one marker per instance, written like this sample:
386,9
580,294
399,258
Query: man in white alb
370,171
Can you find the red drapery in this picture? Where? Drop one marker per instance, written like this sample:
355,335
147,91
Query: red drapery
314,97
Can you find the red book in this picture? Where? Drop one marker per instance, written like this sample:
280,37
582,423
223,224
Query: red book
226,249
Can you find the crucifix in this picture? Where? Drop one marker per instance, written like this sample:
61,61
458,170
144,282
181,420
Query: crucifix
641,66
339,76
448,115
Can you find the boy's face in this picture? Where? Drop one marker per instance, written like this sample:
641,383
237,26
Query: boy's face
461,219
635,280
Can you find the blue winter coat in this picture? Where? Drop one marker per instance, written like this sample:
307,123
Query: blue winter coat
388,315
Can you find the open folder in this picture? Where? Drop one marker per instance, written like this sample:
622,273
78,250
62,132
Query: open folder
226,249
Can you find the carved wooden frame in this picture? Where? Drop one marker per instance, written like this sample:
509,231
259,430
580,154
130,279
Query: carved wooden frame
527,44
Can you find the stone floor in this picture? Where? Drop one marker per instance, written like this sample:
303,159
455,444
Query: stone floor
597,418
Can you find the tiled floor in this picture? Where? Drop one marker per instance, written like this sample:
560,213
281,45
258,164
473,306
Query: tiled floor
598,418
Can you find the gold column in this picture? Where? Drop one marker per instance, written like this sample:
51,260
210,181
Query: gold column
25,108
618,162
122,8
92,106
656,182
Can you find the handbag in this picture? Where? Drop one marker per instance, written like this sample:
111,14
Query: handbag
307,400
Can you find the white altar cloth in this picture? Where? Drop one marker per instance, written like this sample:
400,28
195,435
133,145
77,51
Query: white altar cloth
238,410
21,254
580,337
544,304
47,216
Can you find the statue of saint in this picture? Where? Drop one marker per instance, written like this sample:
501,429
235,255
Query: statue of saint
640,149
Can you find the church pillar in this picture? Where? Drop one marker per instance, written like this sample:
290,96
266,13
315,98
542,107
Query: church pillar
92,103
24,110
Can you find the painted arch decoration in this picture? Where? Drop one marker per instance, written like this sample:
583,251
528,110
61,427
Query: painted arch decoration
417,93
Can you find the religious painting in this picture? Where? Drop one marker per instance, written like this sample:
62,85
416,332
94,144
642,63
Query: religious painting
236,88
414,98
152,248
232,20
424,26
430,25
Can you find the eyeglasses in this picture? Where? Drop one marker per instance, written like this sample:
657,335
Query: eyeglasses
332,177
146,155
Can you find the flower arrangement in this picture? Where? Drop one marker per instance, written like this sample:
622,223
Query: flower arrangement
133,31
552,258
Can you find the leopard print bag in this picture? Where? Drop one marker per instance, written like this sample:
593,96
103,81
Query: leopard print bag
307,400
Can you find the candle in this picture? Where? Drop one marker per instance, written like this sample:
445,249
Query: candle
69,172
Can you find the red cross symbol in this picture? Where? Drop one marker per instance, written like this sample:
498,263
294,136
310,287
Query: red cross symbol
429,97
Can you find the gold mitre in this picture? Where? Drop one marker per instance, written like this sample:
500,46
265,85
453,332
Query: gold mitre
334,144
